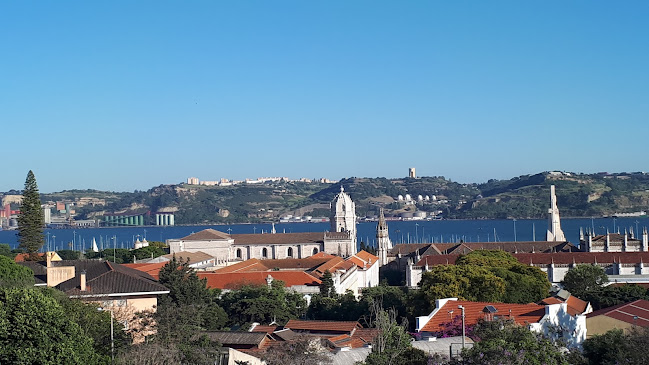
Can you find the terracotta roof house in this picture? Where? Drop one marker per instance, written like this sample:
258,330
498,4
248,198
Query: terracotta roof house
539,318
197,259
100,281
302,275
622,316
575,305
323,328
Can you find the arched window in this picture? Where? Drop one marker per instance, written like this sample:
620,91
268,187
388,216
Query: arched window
315,251
289,252
264,253
238,253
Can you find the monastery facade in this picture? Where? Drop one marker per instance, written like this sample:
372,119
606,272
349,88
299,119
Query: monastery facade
226,248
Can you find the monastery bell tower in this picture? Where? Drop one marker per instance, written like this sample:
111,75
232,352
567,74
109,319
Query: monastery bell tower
343,217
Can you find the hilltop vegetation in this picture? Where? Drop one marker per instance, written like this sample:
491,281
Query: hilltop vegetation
579,195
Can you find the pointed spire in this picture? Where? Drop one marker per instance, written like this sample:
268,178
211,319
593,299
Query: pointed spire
273,231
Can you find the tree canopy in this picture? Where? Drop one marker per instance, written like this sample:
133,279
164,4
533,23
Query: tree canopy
263,304
14,275
34,328
584,278
484,275
30,218
505,342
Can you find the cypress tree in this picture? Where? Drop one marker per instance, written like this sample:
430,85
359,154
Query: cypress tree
30,219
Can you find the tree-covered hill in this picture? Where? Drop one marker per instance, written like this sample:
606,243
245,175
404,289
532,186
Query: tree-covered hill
579,195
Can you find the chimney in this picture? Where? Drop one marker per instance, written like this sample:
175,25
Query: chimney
82,278
48,258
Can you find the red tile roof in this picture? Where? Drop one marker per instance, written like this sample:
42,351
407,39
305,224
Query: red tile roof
563,258
151,269
627,312
244,266
265,329
239,279
521,313
278,238
323,326
574,305
206,235
22,257
366,256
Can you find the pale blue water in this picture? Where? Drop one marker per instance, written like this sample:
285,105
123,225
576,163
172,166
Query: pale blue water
410,231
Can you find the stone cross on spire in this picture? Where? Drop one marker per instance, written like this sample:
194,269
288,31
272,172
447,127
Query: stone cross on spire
555,233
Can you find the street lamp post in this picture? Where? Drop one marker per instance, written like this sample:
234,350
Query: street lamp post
463,327
112,336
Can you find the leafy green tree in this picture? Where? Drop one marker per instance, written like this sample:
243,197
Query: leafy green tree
34,329
484,275
93,323
583,279
616,347
5,250
604,349
30,219
263,304
336,308
327,288
189,307
505,342
392,345
69,254
303,350
14,275
467,282
609,296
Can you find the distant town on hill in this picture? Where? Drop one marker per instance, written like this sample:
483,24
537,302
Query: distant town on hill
527,196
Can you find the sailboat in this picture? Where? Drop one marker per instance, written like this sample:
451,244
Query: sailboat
94,245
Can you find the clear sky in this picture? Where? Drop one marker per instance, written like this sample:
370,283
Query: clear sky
124,95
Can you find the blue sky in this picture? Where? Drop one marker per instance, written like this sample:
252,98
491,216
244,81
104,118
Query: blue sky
124,95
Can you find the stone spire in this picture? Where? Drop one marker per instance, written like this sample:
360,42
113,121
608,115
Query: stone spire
383,239
555,233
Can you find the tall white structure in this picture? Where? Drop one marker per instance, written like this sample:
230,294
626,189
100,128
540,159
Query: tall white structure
555,233
412,173
343,220
383,239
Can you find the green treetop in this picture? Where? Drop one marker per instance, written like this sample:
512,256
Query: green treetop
30,219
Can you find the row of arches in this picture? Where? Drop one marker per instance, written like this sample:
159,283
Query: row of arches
264,253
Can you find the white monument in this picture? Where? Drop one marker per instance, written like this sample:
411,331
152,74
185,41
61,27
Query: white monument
555,233
383,239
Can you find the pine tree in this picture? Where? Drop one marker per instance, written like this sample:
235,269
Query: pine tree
30,219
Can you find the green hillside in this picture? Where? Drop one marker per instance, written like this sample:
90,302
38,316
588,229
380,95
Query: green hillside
579,195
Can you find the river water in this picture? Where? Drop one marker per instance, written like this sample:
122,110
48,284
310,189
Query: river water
400,231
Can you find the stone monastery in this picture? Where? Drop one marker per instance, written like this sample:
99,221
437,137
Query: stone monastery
228,248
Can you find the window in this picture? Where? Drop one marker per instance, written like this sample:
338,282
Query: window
289,252
264,253
315,251
238,253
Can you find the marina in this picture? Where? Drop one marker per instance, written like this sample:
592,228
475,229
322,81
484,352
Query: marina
436,231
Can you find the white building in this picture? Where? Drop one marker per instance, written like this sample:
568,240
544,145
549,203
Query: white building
341,240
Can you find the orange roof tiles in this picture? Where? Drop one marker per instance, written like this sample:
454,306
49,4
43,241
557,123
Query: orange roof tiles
244,266
327,326
206,235
367,257
151,269
521,313
239,279
636,312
